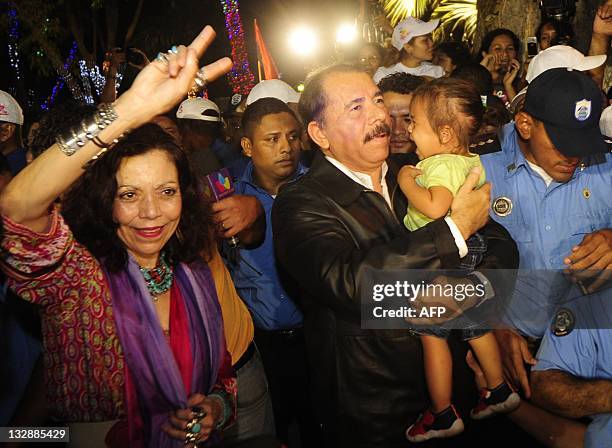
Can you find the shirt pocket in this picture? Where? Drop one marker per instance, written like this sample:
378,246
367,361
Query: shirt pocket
590,221
515,224
578,227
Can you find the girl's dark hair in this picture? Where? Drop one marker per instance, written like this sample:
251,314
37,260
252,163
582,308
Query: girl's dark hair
565,32
496,114
452,102
88,206
491,35
456,51
477,74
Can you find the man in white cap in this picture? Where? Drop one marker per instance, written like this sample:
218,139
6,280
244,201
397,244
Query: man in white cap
273,88
557,56
11,121
412,39
199,121
562,56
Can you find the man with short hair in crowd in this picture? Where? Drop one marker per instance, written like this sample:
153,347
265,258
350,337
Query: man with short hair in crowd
552,185
11,121
342,219
199,122
271,140
397,92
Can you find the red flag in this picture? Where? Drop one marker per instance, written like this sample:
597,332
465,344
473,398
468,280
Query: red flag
264,57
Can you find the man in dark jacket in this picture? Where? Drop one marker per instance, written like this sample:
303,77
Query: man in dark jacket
338,221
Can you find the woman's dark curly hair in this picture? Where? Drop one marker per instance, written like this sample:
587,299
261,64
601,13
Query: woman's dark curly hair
88,206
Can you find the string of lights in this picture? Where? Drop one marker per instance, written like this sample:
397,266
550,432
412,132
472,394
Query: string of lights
13,48
241,78
91,75
59,84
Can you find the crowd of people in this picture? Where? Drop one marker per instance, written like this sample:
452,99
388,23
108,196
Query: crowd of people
194,272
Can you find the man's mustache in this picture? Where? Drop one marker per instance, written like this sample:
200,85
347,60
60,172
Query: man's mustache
379,130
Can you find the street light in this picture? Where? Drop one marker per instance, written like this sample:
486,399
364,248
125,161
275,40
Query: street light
303,41
346,33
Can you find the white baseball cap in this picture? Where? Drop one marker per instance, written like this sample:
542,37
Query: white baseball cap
562,56
273,88
411,27
10,111
199,109
605,123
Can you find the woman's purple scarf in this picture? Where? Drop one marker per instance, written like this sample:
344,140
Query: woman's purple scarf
148,355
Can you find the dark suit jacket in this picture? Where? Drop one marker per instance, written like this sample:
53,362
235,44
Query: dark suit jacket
328,231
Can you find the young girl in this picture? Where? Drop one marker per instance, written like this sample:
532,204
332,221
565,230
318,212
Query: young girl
413,50
445,114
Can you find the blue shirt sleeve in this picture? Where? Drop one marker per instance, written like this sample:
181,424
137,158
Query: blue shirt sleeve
574,353
599,432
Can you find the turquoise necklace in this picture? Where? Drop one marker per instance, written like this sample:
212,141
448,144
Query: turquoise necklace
159,278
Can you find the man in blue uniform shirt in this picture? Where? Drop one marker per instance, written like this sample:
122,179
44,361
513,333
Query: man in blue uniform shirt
573,376
551,189
272,141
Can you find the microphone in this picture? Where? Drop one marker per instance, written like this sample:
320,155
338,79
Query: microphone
219,186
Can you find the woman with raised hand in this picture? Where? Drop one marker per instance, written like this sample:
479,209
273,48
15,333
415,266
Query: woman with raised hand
500,54
133,334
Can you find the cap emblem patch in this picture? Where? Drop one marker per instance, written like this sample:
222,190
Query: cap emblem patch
236,98
582,111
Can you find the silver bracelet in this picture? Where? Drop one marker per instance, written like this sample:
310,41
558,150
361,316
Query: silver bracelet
77,137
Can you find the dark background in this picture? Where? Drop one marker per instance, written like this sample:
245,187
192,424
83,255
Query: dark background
164,23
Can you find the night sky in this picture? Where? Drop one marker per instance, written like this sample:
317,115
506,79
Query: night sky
179,20
167,22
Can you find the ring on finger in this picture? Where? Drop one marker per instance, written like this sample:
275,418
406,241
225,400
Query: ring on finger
200,80
173,50
194,426
199,412
162,58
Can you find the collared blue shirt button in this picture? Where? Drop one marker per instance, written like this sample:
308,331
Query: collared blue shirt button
548,227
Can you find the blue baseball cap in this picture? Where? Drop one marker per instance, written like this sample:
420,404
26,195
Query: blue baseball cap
569,104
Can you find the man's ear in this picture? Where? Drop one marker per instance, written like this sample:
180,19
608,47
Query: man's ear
246,144
317,134
6,131
524,124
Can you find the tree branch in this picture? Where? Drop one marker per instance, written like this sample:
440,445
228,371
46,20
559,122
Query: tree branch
111,11
77,32
130,32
